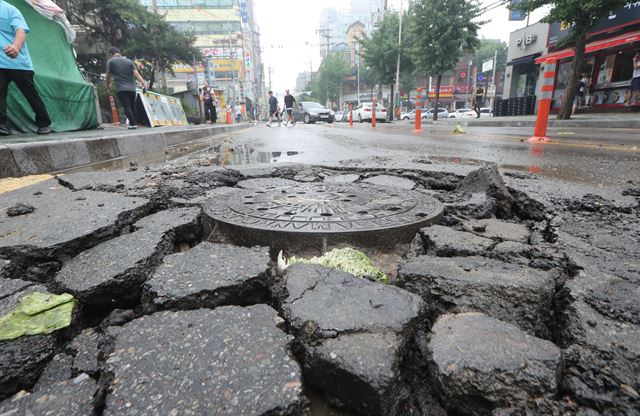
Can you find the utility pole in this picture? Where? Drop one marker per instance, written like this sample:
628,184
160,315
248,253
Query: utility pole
493,78
154,6
397,97
468,81
270,71
195,75
325,33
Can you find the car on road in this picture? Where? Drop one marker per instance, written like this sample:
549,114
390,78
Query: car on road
442,113
411,115
309,112
364,112
486,112
463,113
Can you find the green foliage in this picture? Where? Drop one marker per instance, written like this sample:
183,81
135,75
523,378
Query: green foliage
140,34
582,16
380,50
442,32
348,260
328,83
487,50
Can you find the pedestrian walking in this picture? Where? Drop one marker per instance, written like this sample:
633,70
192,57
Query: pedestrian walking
237,109
581,91
477,102
124,72
16,67
635,80
273,109
210,104
289,102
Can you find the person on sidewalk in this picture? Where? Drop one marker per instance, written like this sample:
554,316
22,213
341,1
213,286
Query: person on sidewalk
289,102
273,109
210,104
16,66
581,91
124,72
238,111
635,80
477,102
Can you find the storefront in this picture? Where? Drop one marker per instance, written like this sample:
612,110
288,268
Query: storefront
608,59
525,45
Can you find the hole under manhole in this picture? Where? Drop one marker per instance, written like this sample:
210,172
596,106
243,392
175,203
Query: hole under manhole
395,209
326,214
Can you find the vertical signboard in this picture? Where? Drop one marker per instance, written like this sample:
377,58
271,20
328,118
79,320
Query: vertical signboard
243,11
517,14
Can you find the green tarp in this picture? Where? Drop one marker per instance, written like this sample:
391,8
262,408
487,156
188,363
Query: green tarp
68,97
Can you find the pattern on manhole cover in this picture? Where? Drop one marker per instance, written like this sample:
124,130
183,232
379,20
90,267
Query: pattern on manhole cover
325,208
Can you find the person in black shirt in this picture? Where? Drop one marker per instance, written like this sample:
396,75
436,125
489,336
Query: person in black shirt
273,109
289,101
477,102
209,100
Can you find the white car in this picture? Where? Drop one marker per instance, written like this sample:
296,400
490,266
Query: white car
463,113
364,112
486,112
442,113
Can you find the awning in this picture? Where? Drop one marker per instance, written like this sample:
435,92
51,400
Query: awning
594,46
524,60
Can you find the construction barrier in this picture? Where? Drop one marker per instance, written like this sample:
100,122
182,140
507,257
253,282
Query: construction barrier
230,119
114,111
350,115
418,126
373,113
544,102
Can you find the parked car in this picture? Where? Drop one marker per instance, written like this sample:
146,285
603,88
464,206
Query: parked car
486,112
442,113
364,112
463,113
411,115
342,116
309,112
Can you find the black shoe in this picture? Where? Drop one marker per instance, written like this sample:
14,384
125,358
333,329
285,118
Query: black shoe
4,130
44,130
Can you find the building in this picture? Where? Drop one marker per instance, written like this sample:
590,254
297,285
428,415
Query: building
229,40
304,79
334,23
608,59
525,46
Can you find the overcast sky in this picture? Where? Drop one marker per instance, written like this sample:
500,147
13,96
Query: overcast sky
290,43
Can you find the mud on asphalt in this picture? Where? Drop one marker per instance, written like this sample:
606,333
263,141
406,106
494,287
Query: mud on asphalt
507,306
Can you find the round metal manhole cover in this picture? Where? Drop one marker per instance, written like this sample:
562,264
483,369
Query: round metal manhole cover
358,213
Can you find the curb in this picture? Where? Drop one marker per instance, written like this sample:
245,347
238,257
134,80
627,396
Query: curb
594,124
22,159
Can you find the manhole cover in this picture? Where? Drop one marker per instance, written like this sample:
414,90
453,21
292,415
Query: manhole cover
310,214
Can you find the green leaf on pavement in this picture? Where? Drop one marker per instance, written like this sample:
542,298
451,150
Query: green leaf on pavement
37,313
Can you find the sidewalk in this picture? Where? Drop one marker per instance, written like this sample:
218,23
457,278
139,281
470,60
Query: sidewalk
598,121
28,154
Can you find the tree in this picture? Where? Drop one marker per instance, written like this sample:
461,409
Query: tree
328,83
380,51
581,16
442,31
140,34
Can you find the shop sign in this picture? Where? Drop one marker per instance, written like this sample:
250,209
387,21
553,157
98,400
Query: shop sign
444,92
220,52
626,15
526,40
243,11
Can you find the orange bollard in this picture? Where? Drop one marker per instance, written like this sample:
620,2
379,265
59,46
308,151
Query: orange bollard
114,111
373,113
418,126
544,106
229,119
350,115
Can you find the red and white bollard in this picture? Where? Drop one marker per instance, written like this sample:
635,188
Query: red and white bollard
373,113
350,116
114,111
544,104
418,126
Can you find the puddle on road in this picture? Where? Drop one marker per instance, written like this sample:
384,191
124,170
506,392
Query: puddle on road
242,155
213,155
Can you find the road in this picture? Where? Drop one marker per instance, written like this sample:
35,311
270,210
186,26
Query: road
575,162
